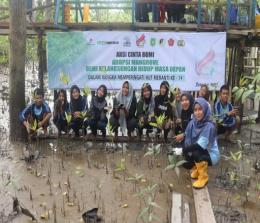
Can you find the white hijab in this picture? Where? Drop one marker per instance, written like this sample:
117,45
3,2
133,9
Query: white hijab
126,101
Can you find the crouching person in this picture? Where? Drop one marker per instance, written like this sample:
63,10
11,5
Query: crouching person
226,115
78,107
124,109
200,147
145,110
98,109
38,113
61,106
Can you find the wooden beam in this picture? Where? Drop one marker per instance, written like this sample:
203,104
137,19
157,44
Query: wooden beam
203,206
176,208
186,213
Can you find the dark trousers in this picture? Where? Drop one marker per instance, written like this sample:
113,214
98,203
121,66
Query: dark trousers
196,156
98,125
130,123
175,13
141,12
76,125
60,123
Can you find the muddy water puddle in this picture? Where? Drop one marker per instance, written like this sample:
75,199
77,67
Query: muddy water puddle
74,177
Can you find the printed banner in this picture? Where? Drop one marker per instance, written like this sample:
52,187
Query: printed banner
91,58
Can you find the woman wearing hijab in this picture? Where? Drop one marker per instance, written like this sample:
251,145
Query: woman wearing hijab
145,109
163,106
186,115
77,106
200,146
124,108
176,106
98,109
61,106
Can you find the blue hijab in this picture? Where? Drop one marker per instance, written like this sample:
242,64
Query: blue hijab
204,128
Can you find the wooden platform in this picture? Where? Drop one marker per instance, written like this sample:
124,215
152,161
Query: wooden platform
233,33
204,211
180,209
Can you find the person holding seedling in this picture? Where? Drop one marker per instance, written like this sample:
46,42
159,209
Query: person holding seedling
176,106
145,110
36,115
226,115
78,107
187,102
200,145
124,109
61,107
98,109
163,108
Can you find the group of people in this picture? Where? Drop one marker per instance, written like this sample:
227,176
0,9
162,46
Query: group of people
194,122
161,12
175,12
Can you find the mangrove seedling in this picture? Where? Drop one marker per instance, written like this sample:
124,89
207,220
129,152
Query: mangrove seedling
68,117
236,156
147,195
86,91
120,167
174,163
135,179
159,121
153,151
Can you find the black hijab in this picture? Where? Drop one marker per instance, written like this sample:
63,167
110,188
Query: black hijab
186,114
76,104
100,102
163,98
146,100
100,99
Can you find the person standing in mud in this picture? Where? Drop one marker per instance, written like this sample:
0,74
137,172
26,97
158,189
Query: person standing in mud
98,109
226,115
77,107
186,115
145,110
163,107
124,109
61,106
38,112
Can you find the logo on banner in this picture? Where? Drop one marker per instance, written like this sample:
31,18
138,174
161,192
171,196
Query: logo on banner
207,65
107,42
140,41
161,42
181,43
127,42
170,42
152,41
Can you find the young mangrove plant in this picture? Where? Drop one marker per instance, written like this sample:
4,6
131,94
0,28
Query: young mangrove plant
147,196
153,151
174,163
135,179
159,121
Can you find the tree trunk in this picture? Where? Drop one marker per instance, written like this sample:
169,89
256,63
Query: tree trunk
17,37
258,116
41,62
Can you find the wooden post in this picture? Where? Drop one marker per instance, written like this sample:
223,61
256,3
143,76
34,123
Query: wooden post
199,12
17,37
228,14
41,62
